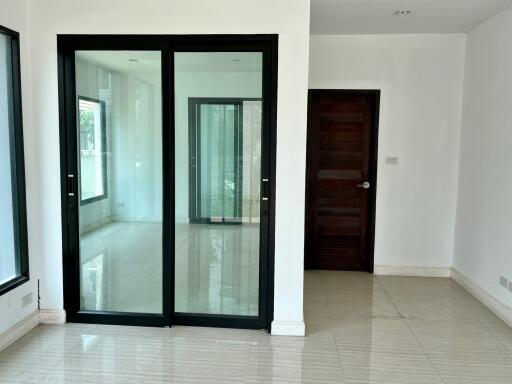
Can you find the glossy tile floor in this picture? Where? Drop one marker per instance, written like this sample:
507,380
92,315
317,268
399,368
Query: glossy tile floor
217,268
361,329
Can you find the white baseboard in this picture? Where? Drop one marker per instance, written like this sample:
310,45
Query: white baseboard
52,316
502,311
288,328
18,330
396,270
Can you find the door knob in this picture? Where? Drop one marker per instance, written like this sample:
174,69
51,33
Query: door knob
364,185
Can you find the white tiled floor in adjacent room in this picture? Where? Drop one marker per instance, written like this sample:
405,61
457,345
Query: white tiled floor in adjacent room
217,268
361,329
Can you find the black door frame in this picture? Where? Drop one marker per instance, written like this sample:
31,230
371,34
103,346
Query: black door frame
167,45
374,94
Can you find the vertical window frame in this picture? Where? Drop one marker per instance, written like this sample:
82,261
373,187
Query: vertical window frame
103,142
17,166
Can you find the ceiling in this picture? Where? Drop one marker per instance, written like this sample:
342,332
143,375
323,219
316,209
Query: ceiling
136,62
149,62
218,62
376,16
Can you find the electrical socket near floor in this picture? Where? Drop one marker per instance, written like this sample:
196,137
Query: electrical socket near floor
504,282
26,300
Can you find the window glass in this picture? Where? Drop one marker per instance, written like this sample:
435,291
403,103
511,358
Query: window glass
13,258
218,127
7,254
119,133
92,141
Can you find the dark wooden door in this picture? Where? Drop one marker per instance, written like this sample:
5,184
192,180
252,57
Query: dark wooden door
341,173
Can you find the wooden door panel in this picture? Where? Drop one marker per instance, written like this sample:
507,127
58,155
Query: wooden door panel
337,117
337,184
336,231
339,127
339,160
341,203
337,174
338,250
340,157
341,141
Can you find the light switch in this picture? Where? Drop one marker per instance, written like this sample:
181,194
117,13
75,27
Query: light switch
392,160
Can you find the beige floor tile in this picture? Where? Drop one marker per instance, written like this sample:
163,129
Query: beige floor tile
311,362
454,336
360,329
377,335
473,367
501,330
387,368
201,360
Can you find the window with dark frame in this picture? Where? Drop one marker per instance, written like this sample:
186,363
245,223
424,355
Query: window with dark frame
13,221
93,167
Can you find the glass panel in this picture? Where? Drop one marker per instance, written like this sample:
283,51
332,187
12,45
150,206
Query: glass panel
119,136
91,119
8,264
217,165
217,135
251,150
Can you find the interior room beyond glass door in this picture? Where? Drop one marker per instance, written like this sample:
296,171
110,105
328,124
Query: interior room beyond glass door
119,148
218,160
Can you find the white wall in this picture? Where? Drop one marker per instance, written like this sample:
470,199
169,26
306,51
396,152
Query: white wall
136,146
13,14
483,240
290,19
96,213
133,135
421,79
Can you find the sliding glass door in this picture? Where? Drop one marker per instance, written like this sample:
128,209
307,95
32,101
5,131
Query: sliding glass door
113,181
166,153
119,143
218,119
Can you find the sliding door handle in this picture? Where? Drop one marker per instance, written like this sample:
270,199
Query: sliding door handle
265,189
365,185
71,185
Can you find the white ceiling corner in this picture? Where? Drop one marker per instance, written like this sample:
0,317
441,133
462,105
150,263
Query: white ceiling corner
376,16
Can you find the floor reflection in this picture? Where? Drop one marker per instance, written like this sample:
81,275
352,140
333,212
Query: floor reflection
121,268
217,268
360,329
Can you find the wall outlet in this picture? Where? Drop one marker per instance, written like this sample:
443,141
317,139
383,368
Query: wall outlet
120,204
26,300
510,286
503,281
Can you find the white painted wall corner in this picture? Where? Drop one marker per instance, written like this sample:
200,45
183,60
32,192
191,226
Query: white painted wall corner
501,310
